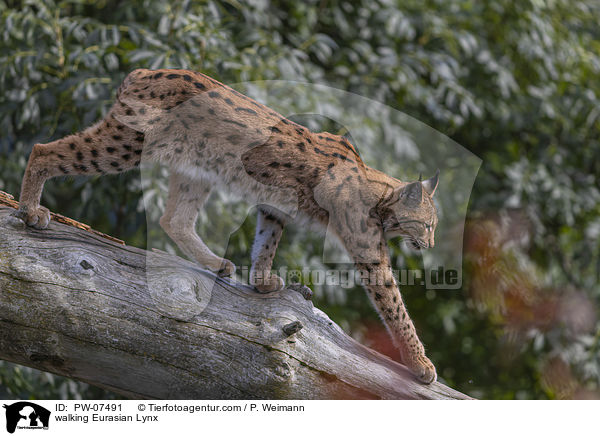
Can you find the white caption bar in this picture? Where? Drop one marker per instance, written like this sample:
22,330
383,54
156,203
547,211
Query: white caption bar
298,417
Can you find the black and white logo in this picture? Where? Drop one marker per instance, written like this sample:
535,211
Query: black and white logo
26,415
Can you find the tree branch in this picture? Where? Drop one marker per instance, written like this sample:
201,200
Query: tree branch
151,325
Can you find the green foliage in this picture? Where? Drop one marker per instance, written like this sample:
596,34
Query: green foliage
515,82
20,382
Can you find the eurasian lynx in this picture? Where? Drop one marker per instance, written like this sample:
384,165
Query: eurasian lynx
220,136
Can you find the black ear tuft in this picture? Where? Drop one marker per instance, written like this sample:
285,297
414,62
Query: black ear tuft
431,184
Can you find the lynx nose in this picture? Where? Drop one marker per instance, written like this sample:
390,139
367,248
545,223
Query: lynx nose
431,242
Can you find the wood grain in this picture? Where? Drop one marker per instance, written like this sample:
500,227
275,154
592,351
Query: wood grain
151,325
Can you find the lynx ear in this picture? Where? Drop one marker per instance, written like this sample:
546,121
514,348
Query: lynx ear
431,185
412,194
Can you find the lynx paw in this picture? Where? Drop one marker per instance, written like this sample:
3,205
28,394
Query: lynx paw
422,367
303,290
267,282
222,267
227,268
37,217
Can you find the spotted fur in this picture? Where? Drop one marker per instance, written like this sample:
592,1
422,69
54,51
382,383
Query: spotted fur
209,135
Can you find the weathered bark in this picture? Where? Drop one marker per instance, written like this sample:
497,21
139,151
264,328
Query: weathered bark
150,325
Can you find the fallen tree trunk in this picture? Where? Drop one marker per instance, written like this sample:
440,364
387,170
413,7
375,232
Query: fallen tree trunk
151,325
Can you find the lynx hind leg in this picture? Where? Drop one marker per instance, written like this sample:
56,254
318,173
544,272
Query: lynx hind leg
45,161
186,196
107,147
268,233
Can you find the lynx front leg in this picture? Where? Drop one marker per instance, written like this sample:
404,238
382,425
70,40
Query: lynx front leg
266,240
372,261
186,196
383,292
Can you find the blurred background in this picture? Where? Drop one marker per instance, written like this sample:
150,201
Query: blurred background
515,82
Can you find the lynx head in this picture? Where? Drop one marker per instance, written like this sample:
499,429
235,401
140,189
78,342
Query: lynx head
409,212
